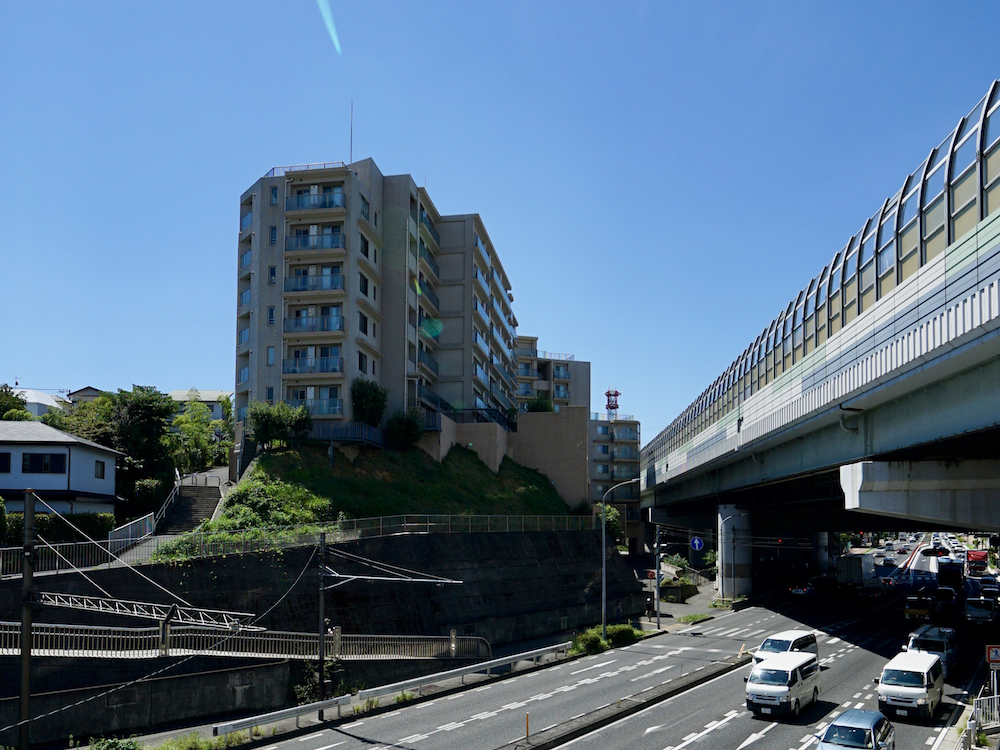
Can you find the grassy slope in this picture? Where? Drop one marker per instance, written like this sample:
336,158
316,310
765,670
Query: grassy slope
391,482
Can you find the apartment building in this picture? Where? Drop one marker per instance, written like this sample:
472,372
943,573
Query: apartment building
343,273
561,378
613,439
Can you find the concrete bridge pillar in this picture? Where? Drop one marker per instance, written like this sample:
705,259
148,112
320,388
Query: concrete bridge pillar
734,552
823,551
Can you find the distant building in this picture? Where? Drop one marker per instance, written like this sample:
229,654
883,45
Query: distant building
207,397
559,377
39,402
614,458
72,474
83,395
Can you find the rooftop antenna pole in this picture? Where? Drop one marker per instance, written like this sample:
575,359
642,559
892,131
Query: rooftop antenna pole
352,131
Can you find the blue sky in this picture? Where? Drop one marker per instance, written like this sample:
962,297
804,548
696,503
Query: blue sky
659,178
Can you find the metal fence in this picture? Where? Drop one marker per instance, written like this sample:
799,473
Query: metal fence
142,643
131,533
988,711
151,549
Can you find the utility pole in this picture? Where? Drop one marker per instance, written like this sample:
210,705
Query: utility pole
322,620
27,573
656,557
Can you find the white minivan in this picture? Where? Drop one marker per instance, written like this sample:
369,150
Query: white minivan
787,640
783,684
932,639
912,684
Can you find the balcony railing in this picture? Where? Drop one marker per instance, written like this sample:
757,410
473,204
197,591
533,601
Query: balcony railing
315,241
314,324
426,291
426,221
560,373
599,416
482,252
481,342
315,201
282,171
478,276
560,393
625,454
527,392
539,354
480,373
243,337
429,259
427,361
245,259
525,371
500,396
306,365
244,298
480,308
245,221
316,283
242,375
324,407
624,435
432,398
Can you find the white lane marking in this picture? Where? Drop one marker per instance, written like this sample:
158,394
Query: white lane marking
412,738
857,695
726,634
688,630
653,673
394,713
860,705
481,689
451,725
930,740
692,737
595,666
845,705
652,729
310,736
353,724
757,735
458,695
869,696
832,641
327,747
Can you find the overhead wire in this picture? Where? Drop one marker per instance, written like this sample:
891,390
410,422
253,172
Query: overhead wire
86,577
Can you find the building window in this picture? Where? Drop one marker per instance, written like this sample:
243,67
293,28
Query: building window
43,463
270,316
603,449
364,206
374,292
374,330
364,246
602,429
272,274
274,196
376,218
363,284
98,469
4,463
270,394
363,362
363,323
270,356
274,235
603,469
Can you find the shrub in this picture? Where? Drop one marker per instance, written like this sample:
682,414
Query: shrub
589,642
621,635
114,743
540,403
368,400
18,415
220,452
403,430
149,493
54,529
272,422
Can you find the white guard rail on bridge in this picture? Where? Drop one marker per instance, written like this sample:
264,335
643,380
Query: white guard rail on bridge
207,544
90,641
988,711
396,687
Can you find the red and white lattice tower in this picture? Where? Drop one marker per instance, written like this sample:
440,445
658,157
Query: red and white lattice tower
612,395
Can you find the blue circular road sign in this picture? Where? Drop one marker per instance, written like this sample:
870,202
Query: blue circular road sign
697,543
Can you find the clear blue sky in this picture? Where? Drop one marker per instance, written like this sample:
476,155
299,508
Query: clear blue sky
659,178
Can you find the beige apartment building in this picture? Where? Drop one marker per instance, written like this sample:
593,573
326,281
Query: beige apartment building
344,272
561,378
614,458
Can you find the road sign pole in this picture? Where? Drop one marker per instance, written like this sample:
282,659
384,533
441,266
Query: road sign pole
656,557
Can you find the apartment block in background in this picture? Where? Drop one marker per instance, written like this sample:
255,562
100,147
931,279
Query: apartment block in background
559,377
614,458
346,273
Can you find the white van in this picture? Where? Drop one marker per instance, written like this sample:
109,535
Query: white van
931,639
912,684
783,684
787,640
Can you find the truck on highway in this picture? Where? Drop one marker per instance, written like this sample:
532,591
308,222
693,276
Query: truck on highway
976,561
980,610
951,573
921,607
857,572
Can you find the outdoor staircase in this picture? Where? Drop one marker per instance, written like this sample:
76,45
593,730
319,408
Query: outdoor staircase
192,506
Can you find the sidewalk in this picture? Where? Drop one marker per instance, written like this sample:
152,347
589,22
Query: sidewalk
671,612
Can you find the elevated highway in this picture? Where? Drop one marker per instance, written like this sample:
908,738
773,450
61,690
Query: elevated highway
872,401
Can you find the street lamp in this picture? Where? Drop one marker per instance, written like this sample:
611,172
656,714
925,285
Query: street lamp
604,555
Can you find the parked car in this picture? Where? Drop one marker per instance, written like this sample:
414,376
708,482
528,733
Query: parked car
857,728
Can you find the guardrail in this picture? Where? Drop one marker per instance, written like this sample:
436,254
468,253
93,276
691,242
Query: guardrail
168,503
131,533
988,711
89,641
201,480
396,687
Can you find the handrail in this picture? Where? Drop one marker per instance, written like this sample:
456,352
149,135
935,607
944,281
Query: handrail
196,476
297,711
128,534
165,508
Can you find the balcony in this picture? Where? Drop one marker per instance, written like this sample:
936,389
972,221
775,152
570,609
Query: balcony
624,435
428,327
527,371
245,259
483,285
481,342
314,324
623,473
427,395
245,221
562,393
480,373
427,361
560,373
625,453
319,407
539,354
426,221
500,396
309,365
426,257
525,391
480,308
427,293
244,298
242,375
316,283
315,202
484,256
316,242
243,337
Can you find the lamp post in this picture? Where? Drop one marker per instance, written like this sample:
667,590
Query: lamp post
604,555
732,561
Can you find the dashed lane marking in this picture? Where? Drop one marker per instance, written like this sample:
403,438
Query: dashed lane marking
595,666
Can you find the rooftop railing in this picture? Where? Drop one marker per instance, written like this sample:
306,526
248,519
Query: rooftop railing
281,171
598,416
541,354
315,201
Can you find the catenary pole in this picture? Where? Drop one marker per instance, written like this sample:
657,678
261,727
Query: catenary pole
27,574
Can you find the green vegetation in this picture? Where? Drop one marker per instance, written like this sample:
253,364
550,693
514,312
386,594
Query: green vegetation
306,486
368,399
10,401
541,402
693,618
404,429
616,531
18,415
590,641
53,529
270,423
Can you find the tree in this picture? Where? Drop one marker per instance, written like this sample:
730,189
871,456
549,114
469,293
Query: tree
140,427
10,399
226,423
91,420
193,442
404,429
368,400
613,520
269,424
55,418
18,415
541,402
